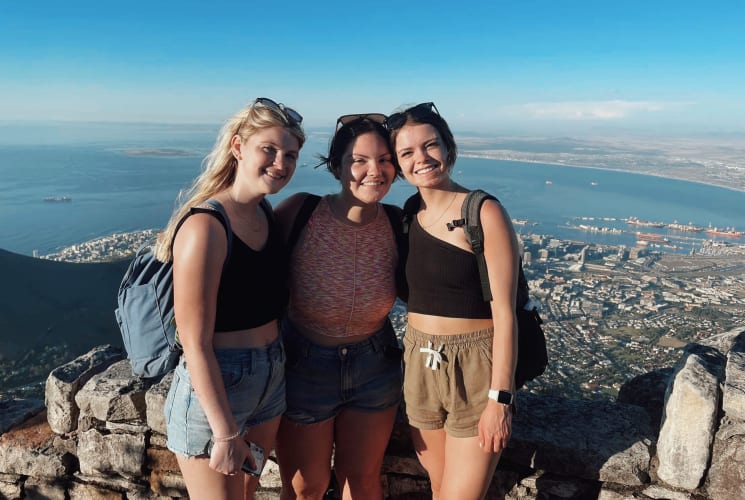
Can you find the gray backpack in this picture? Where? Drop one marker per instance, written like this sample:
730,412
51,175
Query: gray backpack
145,313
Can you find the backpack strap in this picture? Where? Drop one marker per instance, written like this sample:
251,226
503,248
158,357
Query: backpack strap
214,208
471,214
301,219
411,207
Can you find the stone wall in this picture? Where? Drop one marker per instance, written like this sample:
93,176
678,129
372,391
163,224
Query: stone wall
677,434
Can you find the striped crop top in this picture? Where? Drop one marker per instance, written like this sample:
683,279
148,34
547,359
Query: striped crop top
342,277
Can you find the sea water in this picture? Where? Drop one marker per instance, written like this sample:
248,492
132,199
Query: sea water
121,178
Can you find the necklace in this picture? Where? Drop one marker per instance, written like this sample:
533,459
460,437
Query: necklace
452,200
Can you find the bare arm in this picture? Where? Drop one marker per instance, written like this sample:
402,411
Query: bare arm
286,212
199,253
502,261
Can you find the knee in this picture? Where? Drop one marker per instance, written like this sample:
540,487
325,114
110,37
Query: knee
300,488
364,484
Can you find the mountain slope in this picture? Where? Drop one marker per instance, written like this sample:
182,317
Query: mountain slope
45,303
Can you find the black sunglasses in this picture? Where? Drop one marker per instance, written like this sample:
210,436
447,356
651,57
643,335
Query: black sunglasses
373,117
292,116
423,110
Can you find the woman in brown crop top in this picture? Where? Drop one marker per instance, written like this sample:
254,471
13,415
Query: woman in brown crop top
228,389
459,356
343,360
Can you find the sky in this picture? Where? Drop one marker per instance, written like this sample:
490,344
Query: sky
520,66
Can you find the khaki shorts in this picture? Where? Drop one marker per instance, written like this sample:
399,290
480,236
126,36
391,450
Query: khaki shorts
447,380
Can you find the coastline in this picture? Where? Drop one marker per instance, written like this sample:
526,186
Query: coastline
607,169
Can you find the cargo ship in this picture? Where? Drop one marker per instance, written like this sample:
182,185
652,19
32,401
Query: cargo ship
729,233
634,221
57,199
651,237
686,228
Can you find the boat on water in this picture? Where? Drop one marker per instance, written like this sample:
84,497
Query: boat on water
57,199
522,222
548,183
686,228
634,221
729,232
651,237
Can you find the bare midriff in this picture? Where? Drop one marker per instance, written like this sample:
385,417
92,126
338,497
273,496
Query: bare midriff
259,336
441,325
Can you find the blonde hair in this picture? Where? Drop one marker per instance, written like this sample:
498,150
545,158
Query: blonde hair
219,166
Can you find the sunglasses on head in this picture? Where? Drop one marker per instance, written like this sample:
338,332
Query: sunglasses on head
292,116
418,112
373,117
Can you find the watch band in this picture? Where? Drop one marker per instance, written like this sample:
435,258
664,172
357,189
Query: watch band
503,397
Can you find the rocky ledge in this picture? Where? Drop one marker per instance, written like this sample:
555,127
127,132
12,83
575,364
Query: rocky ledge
674,434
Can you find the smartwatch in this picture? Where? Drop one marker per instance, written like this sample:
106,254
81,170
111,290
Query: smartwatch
503,397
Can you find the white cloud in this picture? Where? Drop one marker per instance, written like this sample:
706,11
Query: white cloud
593,110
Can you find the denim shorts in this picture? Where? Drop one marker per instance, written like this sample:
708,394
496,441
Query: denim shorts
255,385
321,381
447,380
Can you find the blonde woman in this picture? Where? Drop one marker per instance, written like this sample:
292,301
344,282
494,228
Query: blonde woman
228,387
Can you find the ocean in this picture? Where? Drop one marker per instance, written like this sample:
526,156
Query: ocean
121,178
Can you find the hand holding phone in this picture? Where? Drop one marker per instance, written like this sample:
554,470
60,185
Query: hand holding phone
258,455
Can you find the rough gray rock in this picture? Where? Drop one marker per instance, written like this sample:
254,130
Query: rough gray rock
10,490
647,391
155,398
35,488
114,395
64,382
105,454
80,491
594,440
726,478
733,398
690,417
29,450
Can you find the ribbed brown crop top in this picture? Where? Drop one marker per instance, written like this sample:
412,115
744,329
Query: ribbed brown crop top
443,278
252,286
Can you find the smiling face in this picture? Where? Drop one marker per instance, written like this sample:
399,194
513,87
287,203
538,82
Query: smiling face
267,158
422,155
366,171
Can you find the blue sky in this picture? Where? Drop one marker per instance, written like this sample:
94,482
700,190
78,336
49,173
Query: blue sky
519,66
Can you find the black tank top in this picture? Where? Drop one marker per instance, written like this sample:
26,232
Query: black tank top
252,286
443,278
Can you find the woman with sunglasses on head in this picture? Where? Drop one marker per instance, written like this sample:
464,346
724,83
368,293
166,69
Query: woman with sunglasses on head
459,351
228,387
343,360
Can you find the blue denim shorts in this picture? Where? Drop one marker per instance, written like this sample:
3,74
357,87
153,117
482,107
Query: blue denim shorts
255,385
321,381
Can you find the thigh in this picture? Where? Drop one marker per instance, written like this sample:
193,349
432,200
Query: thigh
468,470
265,435
203,482
304,455
430,450
361,439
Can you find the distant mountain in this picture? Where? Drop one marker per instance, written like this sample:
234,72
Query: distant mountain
47,303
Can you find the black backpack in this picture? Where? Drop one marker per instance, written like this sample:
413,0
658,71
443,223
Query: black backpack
532,357
394,217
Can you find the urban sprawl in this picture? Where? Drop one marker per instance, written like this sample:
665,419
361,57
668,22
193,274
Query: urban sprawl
610,312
